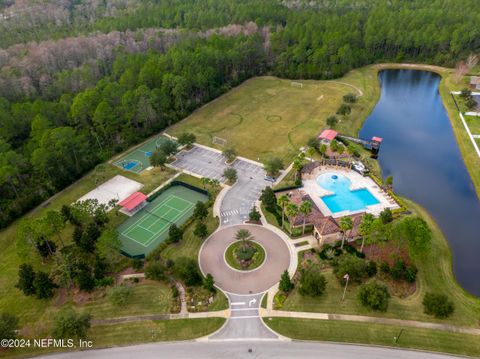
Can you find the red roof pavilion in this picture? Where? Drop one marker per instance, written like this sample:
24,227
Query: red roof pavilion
377,139
133,201
328,135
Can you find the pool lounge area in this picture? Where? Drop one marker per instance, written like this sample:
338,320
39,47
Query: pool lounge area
338,192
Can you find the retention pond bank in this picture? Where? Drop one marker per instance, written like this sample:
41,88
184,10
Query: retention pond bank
421,154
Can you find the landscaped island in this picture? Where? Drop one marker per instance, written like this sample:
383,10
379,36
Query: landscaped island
245,253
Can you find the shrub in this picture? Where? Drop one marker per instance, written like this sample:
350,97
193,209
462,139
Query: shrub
8,326
26,276
398,269
371,268
155,271
332,121
186,138
175,292
269,199
386,216
374,295
286,284
312,282
209,283
411,274
230,154
187,270
230,174
354,266
350,98
344,109
69,324
120,295
43,285
437,305
104,282
384,267
254,215
137,264
201,211
312,142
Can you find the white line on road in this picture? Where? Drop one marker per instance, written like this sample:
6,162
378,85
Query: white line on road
238,303
246,317
243,309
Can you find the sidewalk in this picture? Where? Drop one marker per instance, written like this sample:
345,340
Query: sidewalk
365,319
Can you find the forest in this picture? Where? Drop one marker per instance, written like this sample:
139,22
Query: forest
81,80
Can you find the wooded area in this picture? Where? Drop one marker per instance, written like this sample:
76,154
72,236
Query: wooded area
82,80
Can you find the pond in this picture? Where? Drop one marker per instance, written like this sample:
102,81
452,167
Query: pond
420,152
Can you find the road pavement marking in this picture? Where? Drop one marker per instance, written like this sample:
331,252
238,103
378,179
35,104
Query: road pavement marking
246,317
238,303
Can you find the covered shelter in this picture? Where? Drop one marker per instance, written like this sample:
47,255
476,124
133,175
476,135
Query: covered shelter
133,203
327,136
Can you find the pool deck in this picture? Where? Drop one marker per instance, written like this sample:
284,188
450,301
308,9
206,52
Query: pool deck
358,181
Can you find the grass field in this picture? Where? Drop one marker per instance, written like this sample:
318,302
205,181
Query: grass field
435,274
140,332
377,334
280,117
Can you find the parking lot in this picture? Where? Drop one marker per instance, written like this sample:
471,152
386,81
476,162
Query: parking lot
240,199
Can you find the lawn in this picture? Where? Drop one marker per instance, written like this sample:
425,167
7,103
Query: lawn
280,117
377,334
435,274
473,123
141,332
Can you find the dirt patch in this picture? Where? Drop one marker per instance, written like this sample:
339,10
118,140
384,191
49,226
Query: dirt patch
61,297
386,251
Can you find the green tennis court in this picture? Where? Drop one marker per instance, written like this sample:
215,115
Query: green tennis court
138,159
145,230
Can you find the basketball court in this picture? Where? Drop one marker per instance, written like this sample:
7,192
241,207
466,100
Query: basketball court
142,232
138,159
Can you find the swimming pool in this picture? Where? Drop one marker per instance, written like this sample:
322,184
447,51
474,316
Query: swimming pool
343,198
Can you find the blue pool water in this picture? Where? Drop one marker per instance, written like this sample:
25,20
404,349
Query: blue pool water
343,198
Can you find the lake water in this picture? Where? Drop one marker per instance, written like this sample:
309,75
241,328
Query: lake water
420,152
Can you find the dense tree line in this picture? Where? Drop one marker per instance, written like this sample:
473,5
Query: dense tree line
46,145
66,105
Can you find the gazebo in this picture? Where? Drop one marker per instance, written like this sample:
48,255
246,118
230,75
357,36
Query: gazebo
327,136
133,203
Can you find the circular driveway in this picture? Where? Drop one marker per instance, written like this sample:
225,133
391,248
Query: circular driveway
277,259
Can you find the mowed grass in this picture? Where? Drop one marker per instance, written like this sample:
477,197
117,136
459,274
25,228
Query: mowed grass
377,334
435,275
104,336
266,116
31,311
473,123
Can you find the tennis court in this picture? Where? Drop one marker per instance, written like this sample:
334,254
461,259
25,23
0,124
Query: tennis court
138,159
145,230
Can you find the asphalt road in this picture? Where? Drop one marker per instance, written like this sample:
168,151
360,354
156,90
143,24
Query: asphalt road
250,349
212,260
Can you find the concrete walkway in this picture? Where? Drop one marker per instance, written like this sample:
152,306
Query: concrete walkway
366,319
166,316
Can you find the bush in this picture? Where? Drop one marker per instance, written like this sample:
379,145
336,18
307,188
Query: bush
354,266
201,230
332,121
155,271
350,98
374,295
175,292
104,282
43,285
8,326
137,264
269,199
344,109
254,215
175,234
386,216
120,295
371,268
400,271
286,284
209,283
411,274
187,270
69,324
384,267
312,282
437,305
230,174
26,276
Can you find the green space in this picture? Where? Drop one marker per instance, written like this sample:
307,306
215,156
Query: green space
149,331
434,275
296,114
473,123
253,254
138,159
376,334
145,230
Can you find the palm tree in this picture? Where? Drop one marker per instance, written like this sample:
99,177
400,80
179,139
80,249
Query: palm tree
283,201
310,153
297,166
292,211
305,209
244,235
366,227
205,181
346,224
